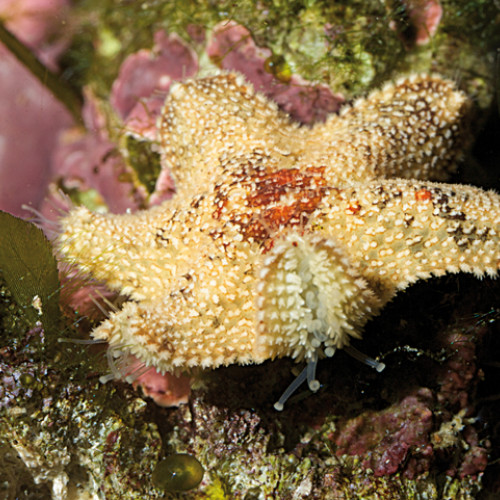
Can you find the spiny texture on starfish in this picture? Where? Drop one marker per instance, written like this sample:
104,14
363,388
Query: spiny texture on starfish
282,240
414,129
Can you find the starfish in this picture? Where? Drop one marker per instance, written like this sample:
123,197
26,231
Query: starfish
284,240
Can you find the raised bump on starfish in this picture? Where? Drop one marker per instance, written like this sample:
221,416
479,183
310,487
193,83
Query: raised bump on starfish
284,241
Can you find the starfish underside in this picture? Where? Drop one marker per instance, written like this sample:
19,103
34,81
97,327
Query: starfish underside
285,240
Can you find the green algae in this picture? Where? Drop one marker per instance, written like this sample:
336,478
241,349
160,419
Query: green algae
349,44
294,30
12,318
75,438
103,438
15,478
144,161
29,269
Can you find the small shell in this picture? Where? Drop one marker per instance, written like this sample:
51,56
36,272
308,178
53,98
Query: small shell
179,472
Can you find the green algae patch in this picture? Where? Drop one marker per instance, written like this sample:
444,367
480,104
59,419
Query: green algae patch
29,269
144,161
12,319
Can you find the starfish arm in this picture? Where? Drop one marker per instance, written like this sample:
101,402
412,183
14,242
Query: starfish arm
180,331
125,251
192,287
207,122
414,128
311,299
399,231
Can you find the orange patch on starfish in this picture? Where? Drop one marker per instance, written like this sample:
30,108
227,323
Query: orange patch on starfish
272,200
423,195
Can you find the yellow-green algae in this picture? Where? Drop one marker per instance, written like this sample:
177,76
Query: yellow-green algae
144,161
348,44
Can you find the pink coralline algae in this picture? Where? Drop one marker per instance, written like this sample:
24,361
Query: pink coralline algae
144,80
393,436
474,461
457,379
427,425
423,18
91,160
149,73
459,372
233,48
166,390
29,136
33,20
